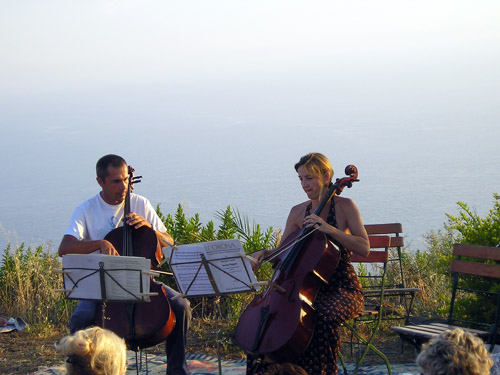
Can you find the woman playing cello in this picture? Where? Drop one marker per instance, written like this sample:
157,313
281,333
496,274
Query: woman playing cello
342,297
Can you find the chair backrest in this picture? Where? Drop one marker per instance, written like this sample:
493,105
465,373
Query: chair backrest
373,276
475,272
376,255
386,228
395,231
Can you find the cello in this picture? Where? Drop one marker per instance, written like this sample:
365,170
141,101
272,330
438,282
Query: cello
279,322
146,324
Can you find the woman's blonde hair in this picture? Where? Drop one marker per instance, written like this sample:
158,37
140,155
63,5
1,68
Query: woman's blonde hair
94,351
455,352
316,164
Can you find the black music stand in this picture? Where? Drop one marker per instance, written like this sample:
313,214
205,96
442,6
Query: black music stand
106,278
214,268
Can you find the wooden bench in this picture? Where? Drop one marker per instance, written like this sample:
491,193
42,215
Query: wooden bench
469,261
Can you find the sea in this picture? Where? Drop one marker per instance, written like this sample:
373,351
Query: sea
413,170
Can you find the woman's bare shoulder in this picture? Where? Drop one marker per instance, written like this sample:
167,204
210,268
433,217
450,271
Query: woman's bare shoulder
296,216
344,203
299,209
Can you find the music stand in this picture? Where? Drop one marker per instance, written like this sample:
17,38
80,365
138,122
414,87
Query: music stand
213,268
106,278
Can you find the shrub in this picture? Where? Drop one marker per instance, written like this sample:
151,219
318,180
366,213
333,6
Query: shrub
28,287
470,228
429,270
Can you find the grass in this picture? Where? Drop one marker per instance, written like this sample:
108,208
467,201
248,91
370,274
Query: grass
28,288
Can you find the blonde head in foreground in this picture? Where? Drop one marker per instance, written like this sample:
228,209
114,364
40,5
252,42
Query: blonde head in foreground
455,352
94,351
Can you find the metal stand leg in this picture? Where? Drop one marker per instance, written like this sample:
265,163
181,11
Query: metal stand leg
218,351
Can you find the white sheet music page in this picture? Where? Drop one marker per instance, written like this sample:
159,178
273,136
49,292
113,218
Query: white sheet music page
122,276
191,276
231,272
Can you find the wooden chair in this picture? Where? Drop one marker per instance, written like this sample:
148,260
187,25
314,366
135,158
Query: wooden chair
396,293
471,263
377,260
395,231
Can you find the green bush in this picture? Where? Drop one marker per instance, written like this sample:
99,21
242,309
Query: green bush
429,269
470,228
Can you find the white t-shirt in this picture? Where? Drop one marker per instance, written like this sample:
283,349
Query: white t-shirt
94,218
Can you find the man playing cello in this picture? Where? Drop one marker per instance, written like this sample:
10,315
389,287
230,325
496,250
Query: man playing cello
97,216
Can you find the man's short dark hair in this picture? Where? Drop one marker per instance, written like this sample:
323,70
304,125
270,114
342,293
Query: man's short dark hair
101,168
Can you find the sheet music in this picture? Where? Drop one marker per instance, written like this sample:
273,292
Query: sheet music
122,274
231,272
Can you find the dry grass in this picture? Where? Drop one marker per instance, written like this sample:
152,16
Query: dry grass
28,288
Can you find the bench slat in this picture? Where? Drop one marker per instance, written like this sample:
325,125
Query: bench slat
433,329
420,330
476,251
475,268
397,241
388,228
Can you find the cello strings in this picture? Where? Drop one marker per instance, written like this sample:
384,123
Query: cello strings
281,250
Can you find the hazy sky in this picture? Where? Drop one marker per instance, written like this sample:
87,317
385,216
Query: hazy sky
66,45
